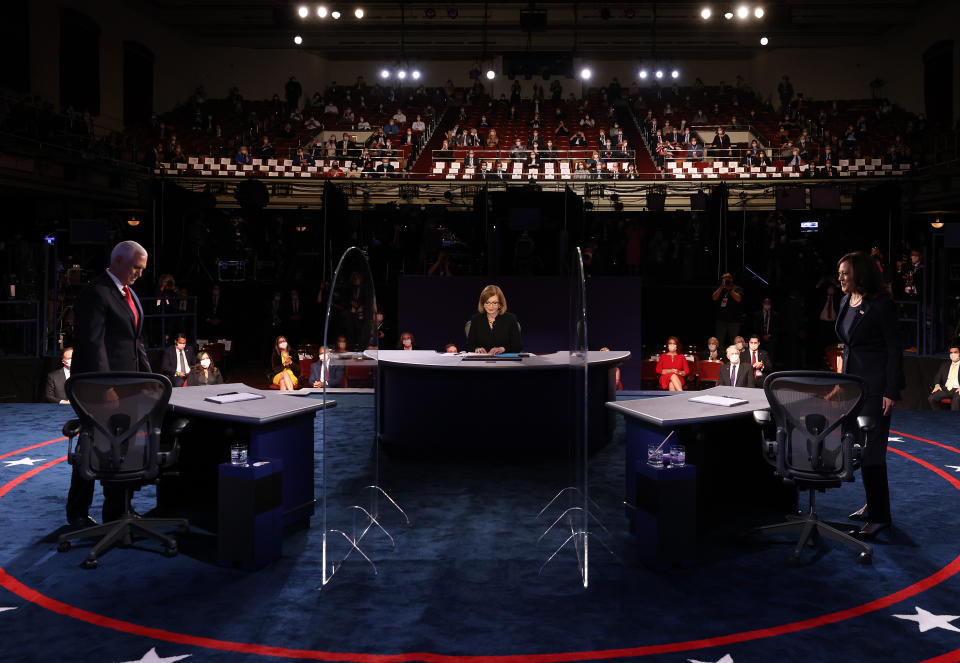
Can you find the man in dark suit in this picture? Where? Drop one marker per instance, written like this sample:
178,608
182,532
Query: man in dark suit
177,360
735,373
54,392
759,359
766,323
109,321
385,169
947,382
720,146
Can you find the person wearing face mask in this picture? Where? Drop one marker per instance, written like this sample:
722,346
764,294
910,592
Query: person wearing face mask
947,382
735,374
406,342
177,360
54,392
672,366
759,359
286,371
204,372
712,353
327,370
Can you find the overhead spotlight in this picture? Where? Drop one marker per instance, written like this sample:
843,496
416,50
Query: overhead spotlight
743,11
415,74
659,73
430,12
705,13
358,12
937,223
298,40
764,41
322,11
643,74
728,15
303,11
758,12
674,74
402,74
585,73
133,222
491,74
384,73
453,12
335,15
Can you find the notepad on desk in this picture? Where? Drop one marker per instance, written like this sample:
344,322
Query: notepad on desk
725,401
234,397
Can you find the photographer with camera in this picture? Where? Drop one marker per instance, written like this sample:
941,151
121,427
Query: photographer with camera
728,305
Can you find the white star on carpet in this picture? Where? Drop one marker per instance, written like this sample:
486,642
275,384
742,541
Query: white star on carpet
928,620
894,439
5,609
955,468
24,461
727,658
152,657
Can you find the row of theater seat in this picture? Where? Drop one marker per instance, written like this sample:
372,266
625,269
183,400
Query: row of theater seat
733,169
563,170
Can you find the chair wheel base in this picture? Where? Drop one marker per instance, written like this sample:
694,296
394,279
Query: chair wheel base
171,551
865,558
89,564
63,546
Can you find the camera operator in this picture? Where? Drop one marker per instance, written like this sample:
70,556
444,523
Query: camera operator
728,309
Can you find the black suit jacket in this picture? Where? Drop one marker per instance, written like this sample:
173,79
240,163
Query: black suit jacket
505,333
747,360
744,375
54,392
168,366
873,351
106,337
941,377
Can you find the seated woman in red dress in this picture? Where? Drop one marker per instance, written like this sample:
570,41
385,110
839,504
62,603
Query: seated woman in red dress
672,366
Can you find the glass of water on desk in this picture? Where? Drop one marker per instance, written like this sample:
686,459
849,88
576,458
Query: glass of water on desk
678,455
238,454
654,455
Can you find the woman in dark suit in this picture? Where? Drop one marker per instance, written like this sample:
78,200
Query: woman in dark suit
204,372
493,330
867,326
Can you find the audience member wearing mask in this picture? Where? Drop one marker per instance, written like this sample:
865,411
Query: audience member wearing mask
54,391
177,360
204,372
285,370
733,374
407,342
712,353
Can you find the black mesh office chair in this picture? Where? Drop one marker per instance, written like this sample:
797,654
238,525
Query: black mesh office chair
118,444
811,435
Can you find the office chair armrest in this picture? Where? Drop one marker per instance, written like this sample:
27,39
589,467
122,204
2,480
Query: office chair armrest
176,426
768,442
866,424
72,428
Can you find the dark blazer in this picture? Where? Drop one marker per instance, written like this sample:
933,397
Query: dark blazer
940,378
276,366
106,337
195,376
505,333
874,351
54,392
168,366
744,375
335,368
763,356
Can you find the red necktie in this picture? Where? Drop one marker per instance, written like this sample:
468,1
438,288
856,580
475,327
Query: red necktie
756,373
133,307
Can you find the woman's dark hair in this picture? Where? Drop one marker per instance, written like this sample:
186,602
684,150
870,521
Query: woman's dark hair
675,340
866,275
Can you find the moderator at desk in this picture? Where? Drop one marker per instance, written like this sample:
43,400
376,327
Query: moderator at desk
722,442
432,401
275,426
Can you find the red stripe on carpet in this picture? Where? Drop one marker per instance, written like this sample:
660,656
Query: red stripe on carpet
35,446
13,483
914,437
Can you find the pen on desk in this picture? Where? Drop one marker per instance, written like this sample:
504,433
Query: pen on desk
227,393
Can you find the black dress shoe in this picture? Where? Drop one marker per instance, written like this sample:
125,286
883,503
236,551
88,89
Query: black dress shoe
80,522
870,530
860,514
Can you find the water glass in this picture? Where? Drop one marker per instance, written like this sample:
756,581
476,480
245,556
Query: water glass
238,454
678,455
654,455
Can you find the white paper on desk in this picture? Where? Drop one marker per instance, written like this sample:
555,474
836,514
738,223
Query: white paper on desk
234,398
725,401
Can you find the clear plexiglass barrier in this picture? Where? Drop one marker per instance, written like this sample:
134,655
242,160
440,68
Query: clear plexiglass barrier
359,516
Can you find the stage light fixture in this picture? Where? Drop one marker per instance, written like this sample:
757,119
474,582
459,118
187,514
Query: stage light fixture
706,13
585,73
303,11
415,74
453,12
675,74
384,74
491,74
643,74
133,222
402,74
358,12
758,12
728,15
298,40
659,73
335,15
936,223
743,11
764,41
322,11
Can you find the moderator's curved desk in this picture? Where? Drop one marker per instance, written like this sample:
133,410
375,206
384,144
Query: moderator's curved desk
278,426
432,401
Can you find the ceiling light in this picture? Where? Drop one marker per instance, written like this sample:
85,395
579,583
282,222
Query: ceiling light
298,40
758,12
491,74
728,15
585,73
938,224
764,41
743,11
705,13
415,74
402,74
335,15
322,11
659,73
358,12
384,73
674,74
303,11
643,74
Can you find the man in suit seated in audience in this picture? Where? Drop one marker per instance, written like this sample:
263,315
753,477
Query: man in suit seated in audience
177,360
54,392
470,161
518,151
326,370
385,169
720,146
758,359
695,149
795,158
947,382
535,141
734,373
303,158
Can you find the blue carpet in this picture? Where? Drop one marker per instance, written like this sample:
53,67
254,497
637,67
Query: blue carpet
464,581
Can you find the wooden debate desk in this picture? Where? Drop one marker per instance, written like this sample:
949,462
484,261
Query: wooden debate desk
278,426
724,443
439,402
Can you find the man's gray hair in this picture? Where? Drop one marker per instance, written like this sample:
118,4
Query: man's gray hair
127,250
